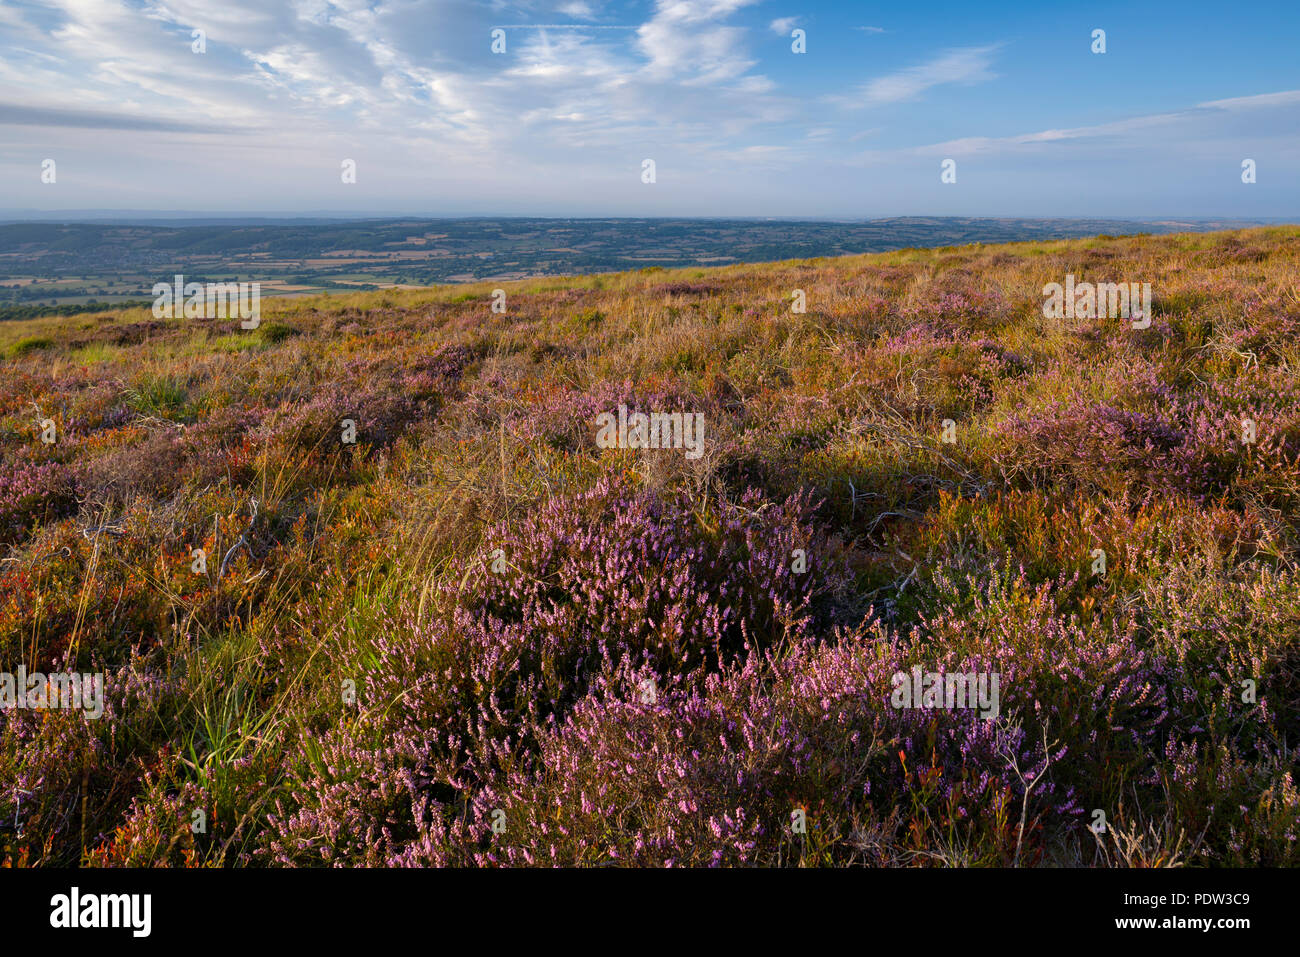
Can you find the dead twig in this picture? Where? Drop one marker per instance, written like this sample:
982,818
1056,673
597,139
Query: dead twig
243,539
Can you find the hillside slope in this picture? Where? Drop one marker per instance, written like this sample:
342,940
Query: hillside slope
476,635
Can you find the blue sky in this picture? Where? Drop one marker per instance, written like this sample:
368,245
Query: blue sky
736,123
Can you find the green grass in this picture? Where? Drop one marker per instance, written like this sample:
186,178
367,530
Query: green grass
165,396
30,344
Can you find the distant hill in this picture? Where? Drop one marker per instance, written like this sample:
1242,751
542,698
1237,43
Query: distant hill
54,264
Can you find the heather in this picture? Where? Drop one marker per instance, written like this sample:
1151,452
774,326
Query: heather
473,637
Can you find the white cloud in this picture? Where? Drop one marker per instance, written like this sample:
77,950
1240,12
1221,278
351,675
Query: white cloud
685,39
1262,100
1196,123
578,10
965,66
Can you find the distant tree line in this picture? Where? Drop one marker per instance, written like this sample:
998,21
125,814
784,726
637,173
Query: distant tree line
8,312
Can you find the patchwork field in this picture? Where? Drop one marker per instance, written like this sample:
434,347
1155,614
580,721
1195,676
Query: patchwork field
476,635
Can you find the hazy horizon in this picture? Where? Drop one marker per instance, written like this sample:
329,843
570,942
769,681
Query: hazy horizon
307,217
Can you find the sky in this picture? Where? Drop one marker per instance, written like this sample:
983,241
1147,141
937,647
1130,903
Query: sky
561,122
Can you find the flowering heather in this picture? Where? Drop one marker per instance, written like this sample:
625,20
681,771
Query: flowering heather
30,491
594,585
1161,440
474,637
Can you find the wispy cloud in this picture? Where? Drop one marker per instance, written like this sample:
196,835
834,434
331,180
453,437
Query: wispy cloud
1259,101
689,40
578,10
24,115
561,118
965,66
1197,122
